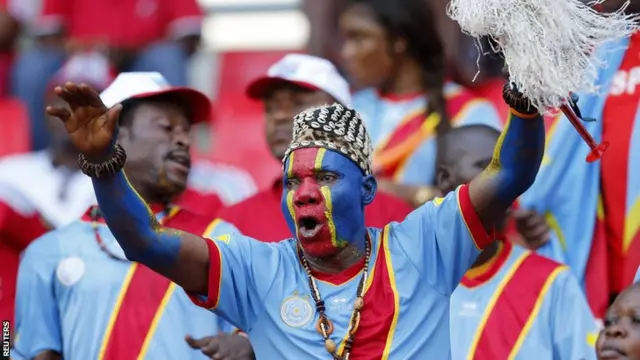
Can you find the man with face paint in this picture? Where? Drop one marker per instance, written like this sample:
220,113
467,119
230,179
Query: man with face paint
337,289
493,311
78,296
293,84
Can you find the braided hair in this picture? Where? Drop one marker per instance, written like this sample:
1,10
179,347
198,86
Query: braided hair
414,21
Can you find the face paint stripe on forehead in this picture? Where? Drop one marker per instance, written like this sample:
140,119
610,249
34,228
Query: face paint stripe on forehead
290,165
319,157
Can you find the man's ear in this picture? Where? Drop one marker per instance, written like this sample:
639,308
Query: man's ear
444,179
369,188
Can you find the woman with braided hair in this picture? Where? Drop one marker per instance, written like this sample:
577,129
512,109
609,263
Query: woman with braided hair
393,52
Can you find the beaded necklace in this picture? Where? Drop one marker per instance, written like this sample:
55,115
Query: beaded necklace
324,326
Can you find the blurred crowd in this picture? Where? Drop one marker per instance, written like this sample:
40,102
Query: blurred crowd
566,252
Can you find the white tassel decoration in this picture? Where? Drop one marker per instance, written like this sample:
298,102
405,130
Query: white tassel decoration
546,43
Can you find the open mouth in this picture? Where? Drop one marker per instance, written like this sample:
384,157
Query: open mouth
308,227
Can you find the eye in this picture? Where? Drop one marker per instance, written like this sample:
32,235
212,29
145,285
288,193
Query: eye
291,183
327,178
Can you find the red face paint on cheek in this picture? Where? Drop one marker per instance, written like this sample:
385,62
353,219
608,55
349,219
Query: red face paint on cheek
308,206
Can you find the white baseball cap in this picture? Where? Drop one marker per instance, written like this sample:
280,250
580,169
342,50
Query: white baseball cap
306,71
141,85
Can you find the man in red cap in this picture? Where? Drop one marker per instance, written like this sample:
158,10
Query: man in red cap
78,296
291,85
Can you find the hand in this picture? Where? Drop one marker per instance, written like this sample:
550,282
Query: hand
533,227
88,122
224,346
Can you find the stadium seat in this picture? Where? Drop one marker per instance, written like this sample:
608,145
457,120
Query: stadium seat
14,127
239,130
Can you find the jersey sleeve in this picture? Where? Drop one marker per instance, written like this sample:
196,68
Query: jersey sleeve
241,273
573,326
37,317
442,238
637,278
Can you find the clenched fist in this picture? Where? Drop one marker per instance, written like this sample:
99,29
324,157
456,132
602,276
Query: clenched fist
91,126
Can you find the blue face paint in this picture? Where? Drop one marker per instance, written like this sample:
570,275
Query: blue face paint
323,200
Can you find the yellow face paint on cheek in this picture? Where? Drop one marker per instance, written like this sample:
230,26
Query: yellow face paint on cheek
328,213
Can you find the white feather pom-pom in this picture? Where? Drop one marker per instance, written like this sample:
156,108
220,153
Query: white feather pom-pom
546,43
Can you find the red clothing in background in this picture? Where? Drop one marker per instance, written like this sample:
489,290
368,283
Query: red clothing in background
19,225
260,216
123,23
199,203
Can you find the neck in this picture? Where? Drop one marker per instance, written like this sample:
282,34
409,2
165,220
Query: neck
342,260
486,255
407,79
151,195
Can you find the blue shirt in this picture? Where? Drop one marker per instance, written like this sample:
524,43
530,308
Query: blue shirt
523,306
384,115
69,290
415,265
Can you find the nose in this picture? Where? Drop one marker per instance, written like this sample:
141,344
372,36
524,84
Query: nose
615,331
182,138
282,115
308,193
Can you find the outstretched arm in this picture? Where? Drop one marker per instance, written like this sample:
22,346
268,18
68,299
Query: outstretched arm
443,237
516,160
180,256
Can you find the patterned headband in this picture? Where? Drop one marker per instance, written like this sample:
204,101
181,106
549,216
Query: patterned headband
334,127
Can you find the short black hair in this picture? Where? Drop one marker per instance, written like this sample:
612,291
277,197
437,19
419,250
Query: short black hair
129,107
451,144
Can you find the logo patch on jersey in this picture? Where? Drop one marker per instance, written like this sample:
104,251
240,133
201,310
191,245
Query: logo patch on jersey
70,271
296,311
223,238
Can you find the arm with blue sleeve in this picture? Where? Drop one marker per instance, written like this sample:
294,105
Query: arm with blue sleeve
574,329
38,328
637,278
218,274
453,230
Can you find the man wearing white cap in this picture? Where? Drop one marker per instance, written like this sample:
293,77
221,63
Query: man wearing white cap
293,84
78,297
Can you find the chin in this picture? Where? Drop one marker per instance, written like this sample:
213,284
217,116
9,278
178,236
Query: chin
318,249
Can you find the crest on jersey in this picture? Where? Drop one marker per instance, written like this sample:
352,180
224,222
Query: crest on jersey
296,311
70,271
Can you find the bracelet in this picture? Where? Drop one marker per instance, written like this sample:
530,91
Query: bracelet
517,102
105,169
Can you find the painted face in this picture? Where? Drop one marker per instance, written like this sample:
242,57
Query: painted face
620,338
323,200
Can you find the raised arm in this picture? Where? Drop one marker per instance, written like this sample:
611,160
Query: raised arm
516,160
180,256
444,237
